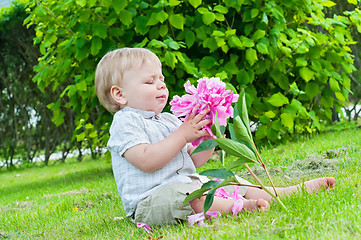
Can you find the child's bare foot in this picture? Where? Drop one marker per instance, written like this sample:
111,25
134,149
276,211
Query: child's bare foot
315,185
255,205
312,186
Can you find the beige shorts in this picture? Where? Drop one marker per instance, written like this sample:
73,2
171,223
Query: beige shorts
165,205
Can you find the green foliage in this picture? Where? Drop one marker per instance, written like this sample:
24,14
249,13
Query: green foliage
290,58
24,119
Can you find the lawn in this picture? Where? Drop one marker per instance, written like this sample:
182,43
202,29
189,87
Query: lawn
80,200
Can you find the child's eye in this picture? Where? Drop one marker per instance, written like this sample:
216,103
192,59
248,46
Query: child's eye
149,82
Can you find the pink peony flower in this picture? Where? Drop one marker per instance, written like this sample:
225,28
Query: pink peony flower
210,93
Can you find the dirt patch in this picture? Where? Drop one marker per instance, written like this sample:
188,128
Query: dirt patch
327,162
73,192
16,206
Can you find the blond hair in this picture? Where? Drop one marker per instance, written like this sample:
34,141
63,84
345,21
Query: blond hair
111,68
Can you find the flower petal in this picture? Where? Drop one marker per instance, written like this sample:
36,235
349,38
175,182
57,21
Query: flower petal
237,207
196,218
144,226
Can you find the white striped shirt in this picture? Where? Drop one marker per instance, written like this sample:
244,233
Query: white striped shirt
131,127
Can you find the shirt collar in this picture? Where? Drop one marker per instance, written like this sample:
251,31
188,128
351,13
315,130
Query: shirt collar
145,114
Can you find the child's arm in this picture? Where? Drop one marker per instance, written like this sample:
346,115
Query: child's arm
199,159
150,157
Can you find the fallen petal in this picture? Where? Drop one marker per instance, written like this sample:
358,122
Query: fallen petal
237,207
144,226
196,218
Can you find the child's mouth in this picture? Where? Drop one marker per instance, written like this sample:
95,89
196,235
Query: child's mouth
162,97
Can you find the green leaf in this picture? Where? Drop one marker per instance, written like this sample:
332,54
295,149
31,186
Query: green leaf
261,132
190,38
170,59
220,17
307,74
80,137
280,78
278,100
240,132
205,146
334,85
162,16
126,17
236,149
312,89
96,45
254,12
251,56
163,30
301,62
208,18
328,3
196,194
195,3
262,48
156,44
100,30
258,35
209,199
218,132
153,20
172,44
119,5
244,77
81,53
287,119
237,163
81,3
222,155
354,2
241,110
234,41
173,3
221,9
294,89
177,21
229,86
210,184
340,96
221,173
93,134
270,114
264,18
202,10
231,67
81,86
208,62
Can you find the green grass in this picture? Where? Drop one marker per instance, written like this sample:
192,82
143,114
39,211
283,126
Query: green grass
80,200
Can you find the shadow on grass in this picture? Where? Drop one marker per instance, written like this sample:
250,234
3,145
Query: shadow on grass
56,182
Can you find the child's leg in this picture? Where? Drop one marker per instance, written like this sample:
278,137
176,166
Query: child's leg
312,186
225,205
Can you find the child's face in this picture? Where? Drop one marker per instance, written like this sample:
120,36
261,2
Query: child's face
144,88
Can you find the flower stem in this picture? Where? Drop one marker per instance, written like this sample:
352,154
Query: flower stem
263,187
264,167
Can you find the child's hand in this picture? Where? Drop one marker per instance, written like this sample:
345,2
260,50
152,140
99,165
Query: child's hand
192,128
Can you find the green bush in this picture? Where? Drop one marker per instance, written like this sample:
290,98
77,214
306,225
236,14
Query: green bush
292,60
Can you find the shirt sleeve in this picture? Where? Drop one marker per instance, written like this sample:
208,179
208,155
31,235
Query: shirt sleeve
126,131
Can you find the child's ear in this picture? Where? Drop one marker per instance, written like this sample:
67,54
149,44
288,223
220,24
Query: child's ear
117,94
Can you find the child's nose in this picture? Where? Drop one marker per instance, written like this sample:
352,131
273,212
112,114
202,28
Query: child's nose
161,85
